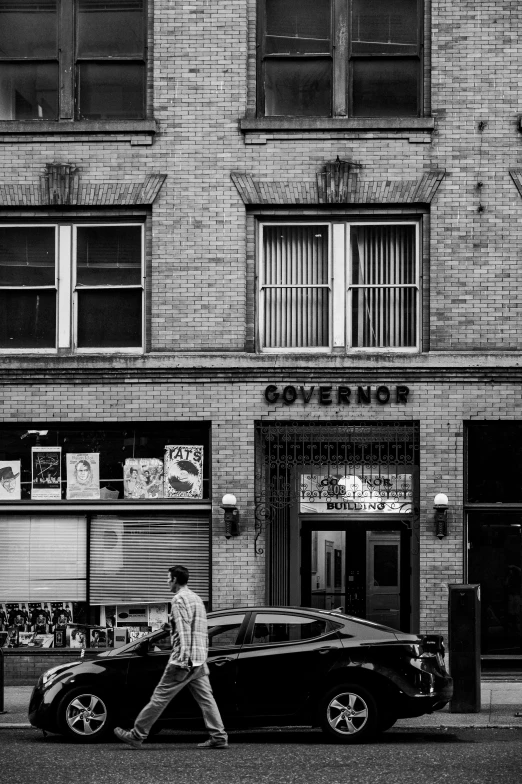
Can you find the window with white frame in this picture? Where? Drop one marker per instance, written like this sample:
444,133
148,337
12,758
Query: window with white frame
71,286
335,285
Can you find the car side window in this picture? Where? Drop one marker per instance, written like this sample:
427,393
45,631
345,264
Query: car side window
271,628
160,644
224,630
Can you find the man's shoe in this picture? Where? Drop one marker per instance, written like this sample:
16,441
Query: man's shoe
213,744
128,738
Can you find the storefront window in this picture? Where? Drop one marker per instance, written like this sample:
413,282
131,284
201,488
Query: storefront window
143,462
494,462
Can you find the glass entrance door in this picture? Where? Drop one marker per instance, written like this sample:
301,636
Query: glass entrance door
361,568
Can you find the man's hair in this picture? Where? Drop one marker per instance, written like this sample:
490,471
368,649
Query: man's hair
181,573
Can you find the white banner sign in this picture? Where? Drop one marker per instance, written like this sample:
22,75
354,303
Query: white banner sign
357,490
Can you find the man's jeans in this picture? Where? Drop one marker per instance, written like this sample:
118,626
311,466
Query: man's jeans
172,681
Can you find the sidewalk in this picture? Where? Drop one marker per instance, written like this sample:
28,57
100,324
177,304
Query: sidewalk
500,701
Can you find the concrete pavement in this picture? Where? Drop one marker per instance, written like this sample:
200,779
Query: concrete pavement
501,701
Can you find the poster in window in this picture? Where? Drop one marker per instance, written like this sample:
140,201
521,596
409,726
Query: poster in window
46,480
143,477
83,475
62,614
183,471
40,617
77,636
10,480
98,638
158,615
18,615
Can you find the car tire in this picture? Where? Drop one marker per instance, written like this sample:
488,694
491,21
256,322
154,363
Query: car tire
349,714
85,715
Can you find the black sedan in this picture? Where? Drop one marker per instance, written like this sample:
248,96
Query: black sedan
269,666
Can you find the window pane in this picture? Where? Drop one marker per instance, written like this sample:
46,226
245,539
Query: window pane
108,255
384,318
223,631
111,91
271,628
27,256
385,26
110,318
111,29
385,87
28,28
27,319
295,254
29,91
296,318
298,26
298,88
383,254
494,451
386,565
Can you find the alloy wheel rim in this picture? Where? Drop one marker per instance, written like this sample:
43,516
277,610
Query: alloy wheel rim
86,714
347,713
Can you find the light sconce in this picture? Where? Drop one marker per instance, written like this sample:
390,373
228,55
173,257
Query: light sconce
441,504
228,504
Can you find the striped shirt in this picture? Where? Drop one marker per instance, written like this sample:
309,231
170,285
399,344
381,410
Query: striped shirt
189,629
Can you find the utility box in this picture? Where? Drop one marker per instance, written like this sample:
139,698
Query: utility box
464,647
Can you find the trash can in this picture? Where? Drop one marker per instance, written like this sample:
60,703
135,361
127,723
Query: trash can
464,647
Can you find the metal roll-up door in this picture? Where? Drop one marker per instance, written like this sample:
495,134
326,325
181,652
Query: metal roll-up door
130,555
43,558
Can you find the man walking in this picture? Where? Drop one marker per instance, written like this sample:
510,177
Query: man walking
186,667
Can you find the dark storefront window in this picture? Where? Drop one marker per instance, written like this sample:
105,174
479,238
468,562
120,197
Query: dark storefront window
494,451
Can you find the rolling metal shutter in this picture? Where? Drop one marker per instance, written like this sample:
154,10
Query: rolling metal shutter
43,558
130,555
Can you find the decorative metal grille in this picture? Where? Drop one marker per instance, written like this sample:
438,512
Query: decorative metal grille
285,449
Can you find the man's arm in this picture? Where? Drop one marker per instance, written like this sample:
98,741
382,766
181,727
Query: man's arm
183,621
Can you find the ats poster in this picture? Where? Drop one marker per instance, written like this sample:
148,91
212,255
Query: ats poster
46,479
183,471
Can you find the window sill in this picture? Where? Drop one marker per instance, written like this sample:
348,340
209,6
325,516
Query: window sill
386,124
77,126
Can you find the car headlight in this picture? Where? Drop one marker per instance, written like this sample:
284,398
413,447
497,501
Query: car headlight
50,675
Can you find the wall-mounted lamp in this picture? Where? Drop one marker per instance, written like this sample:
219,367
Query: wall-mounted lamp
440,504
228,503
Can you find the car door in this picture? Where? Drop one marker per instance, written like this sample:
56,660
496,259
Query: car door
284,656
145,670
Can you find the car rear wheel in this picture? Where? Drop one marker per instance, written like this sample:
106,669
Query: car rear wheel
349,714
85,716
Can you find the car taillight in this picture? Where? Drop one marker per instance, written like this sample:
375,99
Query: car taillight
431,646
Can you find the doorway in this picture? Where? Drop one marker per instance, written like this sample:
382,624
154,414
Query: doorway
362,567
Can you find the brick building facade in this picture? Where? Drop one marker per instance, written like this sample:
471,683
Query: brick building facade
214,182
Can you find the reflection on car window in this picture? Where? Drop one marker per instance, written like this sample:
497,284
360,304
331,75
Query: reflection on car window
223,631
157,644
270,628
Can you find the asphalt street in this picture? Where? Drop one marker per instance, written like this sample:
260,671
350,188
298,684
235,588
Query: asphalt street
462,756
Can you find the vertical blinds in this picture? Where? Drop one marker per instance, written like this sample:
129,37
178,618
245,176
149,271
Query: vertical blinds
43,558
129,556
296,287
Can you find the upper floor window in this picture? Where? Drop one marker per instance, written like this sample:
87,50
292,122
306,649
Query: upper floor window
339,285
72,59
323,58
71,287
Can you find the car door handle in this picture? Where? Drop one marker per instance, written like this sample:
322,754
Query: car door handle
325,650
221,661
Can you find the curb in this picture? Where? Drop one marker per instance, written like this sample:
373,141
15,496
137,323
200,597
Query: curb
15,726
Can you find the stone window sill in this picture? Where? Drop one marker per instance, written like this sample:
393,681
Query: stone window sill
61,127
300,124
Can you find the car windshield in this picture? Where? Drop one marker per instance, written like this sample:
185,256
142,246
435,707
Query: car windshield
156,641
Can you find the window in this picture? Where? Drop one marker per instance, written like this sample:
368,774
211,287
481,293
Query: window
72,59
223,631
270,628
339,285
71,287
308,66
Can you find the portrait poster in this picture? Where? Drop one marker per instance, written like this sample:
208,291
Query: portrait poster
83,475
40,615
183,471
77,636
10,489
98,637
62,614
143,477
46,472
158,615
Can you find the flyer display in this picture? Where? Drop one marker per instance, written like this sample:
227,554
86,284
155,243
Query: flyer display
183,471
10,480
83,475
143,477
46,473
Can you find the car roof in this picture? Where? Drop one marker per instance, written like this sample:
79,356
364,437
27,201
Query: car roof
312,611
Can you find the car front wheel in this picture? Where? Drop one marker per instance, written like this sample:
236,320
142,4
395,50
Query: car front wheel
85,716
349,714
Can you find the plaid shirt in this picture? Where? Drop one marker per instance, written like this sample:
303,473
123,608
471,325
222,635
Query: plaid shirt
189,629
